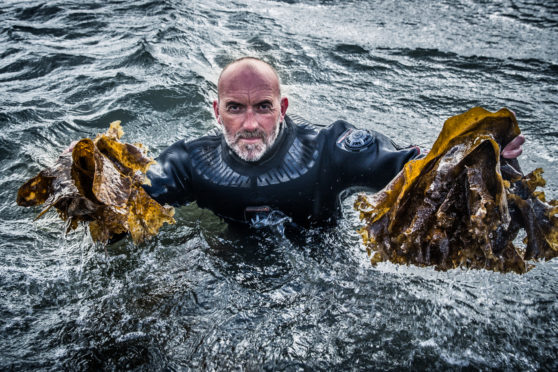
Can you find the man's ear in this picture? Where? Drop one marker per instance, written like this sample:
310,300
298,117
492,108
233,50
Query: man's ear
216,111
284,106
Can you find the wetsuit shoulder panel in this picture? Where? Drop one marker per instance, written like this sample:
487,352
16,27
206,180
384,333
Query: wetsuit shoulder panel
365,158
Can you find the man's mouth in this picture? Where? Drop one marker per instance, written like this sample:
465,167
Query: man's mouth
250,137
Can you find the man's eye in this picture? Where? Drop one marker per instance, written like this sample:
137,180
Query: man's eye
233,108
265,106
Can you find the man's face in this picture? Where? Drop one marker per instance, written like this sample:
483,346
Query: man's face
249,108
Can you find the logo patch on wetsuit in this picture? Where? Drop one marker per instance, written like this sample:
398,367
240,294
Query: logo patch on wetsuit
355,140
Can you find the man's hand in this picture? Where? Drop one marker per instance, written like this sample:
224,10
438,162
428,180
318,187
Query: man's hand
513,149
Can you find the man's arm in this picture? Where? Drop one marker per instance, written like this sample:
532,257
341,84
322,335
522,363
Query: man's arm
169,178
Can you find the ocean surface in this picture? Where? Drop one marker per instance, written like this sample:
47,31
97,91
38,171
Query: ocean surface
200,297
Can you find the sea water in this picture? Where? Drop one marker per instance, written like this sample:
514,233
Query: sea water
202,297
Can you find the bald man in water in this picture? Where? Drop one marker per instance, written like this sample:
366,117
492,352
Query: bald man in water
264,169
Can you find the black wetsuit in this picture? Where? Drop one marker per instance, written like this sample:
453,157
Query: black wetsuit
301,178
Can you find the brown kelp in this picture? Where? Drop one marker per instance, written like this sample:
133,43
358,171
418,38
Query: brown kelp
463,205
99,182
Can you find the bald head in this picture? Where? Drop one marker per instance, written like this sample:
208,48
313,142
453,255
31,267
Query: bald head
249,107
248,68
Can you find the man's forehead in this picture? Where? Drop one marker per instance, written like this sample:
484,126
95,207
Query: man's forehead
248,76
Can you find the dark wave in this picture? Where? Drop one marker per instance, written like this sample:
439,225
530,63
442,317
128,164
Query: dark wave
34,66
539,14
141,56
350,49
38,31
530,67
163,99
38,13
89,88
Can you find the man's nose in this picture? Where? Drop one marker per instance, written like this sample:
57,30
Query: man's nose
251,121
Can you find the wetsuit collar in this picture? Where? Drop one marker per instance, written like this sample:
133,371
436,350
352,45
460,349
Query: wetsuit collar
285,127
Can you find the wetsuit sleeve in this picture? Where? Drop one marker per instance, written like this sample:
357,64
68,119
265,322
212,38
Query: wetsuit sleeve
388,160
169,179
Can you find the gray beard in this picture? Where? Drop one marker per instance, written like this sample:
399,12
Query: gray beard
252,152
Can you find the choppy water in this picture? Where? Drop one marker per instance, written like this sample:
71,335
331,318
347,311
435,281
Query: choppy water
200,297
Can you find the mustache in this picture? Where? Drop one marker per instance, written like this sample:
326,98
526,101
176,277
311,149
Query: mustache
258,133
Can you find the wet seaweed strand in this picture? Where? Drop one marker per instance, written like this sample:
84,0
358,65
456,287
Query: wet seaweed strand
462,205
99,183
